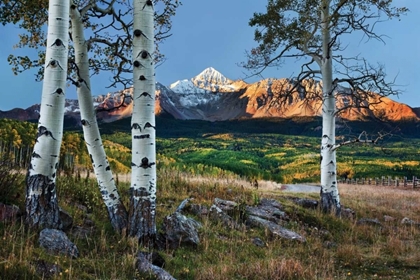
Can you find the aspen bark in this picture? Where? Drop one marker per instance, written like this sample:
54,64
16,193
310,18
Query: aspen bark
41,200
330,200
142,211
107,186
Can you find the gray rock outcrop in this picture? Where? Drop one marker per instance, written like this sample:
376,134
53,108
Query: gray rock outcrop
56,242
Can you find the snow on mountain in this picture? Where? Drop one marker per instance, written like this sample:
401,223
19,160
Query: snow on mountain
204,88
186,86
211,76
213,80
71,106
212,96
189,95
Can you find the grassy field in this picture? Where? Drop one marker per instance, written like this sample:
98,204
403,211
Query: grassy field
209,160
336,248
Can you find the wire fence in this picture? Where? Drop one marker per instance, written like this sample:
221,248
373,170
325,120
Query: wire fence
384,181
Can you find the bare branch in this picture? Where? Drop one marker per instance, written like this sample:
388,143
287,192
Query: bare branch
362,139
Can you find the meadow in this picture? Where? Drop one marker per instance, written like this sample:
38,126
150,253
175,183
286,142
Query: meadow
209,161
335,248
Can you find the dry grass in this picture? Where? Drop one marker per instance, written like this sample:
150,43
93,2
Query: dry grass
378,201
335,248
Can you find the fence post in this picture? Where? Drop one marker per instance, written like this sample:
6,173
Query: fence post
369,181
397,183
383,180
405,181
414,181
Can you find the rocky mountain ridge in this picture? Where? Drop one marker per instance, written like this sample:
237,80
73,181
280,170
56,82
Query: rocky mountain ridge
213,97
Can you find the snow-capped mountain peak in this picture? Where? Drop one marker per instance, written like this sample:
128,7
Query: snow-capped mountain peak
186,86
211,79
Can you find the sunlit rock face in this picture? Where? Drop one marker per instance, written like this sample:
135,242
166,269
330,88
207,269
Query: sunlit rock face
212,96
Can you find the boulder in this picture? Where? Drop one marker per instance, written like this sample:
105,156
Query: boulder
144,264
216,214
226,205
407,221
46,269
267,212
56,242
270,202
178,230
197,209
306,203
258,242
66,219
274,228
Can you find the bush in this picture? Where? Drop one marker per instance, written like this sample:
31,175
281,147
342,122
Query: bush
11,182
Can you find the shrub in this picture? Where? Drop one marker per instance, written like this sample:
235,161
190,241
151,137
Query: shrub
11,181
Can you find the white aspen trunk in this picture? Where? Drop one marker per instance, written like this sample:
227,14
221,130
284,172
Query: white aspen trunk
41,200
330,200
107,186
142,212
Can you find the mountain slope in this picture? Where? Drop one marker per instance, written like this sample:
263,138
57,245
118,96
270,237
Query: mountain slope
213,97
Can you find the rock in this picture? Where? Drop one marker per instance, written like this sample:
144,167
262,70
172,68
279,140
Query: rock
182,205
258,242
154,258
178,230
226,205
269,209
144,264
198,210
267,212
306,203
388,218
233,209
348,213
270,202
274,228
9,212
46,269
367,221
216,214
66,219
407,221
56,242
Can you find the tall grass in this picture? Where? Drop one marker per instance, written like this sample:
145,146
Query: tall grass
335,248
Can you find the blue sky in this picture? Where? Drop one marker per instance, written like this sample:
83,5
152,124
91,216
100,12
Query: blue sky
216,33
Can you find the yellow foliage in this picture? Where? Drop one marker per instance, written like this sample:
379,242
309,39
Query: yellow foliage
247,161
118,167
116,146
224,136
277,155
